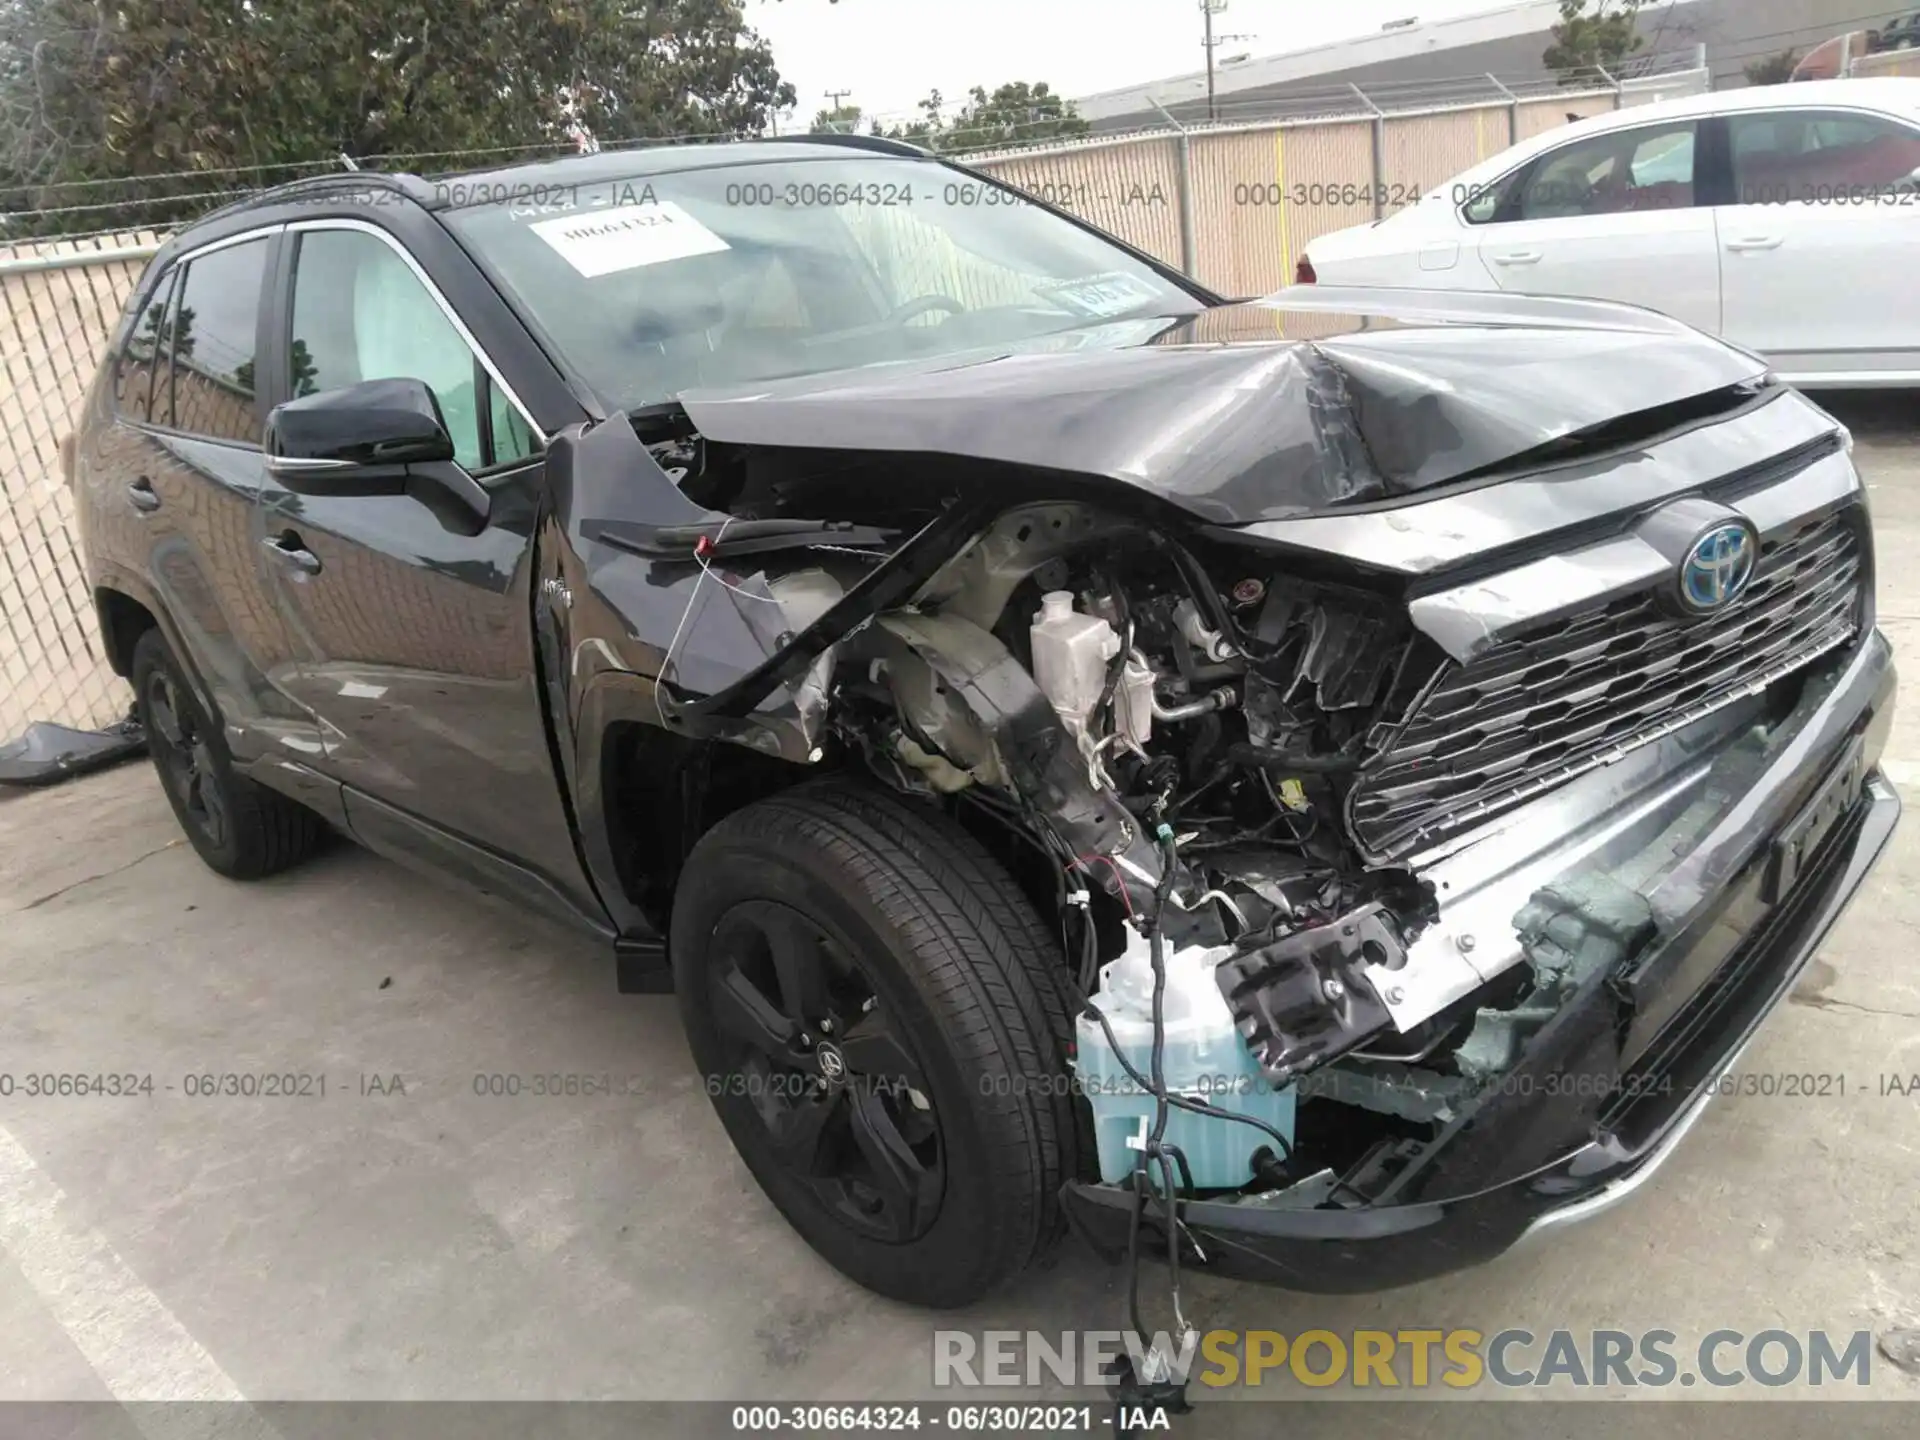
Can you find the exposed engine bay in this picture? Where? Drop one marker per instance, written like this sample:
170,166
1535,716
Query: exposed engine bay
1183,736
1175,723
1229,713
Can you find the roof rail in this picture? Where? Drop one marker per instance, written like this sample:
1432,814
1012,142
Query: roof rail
411,186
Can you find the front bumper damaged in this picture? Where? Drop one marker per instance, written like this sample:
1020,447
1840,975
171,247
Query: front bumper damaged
1740,846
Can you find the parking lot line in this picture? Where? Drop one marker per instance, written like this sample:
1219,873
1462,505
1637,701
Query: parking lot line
135,1344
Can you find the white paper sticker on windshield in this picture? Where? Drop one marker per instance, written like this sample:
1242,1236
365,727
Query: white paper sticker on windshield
1100,296
625,237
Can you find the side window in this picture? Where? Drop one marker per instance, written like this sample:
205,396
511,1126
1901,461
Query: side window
512,436
1484,202
133,372
360,313
1626,171
1780,157
205,385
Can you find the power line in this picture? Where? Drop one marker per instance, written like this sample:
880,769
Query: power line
174,175
376,159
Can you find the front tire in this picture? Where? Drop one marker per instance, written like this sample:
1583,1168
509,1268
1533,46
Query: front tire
240,828
881,1020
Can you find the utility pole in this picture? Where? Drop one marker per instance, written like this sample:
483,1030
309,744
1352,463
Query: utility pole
1209,9
836,96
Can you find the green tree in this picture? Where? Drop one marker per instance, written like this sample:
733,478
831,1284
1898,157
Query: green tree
96,91
929,130
1017,113
1774,70
1593,33
840,120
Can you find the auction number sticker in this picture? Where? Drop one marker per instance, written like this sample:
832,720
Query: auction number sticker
625,237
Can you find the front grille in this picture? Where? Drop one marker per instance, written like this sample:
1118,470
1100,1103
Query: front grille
1537,710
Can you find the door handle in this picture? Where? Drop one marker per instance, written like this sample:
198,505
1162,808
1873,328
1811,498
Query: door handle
1518,257
288,546
140,495
1757,242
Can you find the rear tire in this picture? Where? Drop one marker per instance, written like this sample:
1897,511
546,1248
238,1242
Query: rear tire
240,828
859,978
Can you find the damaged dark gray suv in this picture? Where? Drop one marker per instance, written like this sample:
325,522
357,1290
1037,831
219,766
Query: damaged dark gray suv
1325,784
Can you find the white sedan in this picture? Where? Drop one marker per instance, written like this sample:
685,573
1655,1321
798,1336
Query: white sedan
1784,218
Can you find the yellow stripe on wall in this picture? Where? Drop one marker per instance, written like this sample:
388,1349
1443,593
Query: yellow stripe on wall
1280,179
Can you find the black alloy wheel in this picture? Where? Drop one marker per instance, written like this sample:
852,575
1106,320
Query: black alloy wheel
881,1020
177,739
843,1098
239,827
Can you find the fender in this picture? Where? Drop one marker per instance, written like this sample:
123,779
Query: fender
289,777
110,576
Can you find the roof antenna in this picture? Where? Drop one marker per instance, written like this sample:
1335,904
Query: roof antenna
347,160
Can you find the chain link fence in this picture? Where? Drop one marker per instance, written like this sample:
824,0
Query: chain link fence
58,304
1234,204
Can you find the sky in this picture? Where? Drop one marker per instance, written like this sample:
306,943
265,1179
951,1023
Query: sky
890,53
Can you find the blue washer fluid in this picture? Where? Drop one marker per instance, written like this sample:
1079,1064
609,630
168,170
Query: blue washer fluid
1204,1058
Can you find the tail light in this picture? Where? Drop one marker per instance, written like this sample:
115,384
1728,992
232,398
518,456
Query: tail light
1303,273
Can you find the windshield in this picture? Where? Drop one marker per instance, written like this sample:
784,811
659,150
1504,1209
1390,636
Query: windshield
658,284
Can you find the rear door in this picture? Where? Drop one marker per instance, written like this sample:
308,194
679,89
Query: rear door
185,474
1819,244
1614,216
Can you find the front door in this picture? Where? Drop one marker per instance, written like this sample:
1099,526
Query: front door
414,622
1611,217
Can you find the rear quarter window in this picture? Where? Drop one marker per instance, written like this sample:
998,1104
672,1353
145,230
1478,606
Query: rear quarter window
206,346
134,365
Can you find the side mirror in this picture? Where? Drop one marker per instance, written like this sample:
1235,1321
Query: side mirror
375,425
380,437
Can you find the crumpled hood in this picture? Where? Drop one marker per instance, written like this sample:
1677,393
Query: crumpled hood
1311,399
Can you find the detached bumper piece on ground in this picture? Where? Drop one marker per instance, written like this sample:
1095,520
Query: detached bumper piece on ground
47,754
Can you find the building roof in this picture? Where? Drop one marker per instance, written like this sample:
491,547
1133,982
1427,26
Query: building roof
1398,44
1452,61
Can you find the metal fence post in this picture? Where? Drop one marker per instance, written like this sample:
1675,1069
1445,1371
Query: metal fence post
1379,153
1513,109
1183,181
